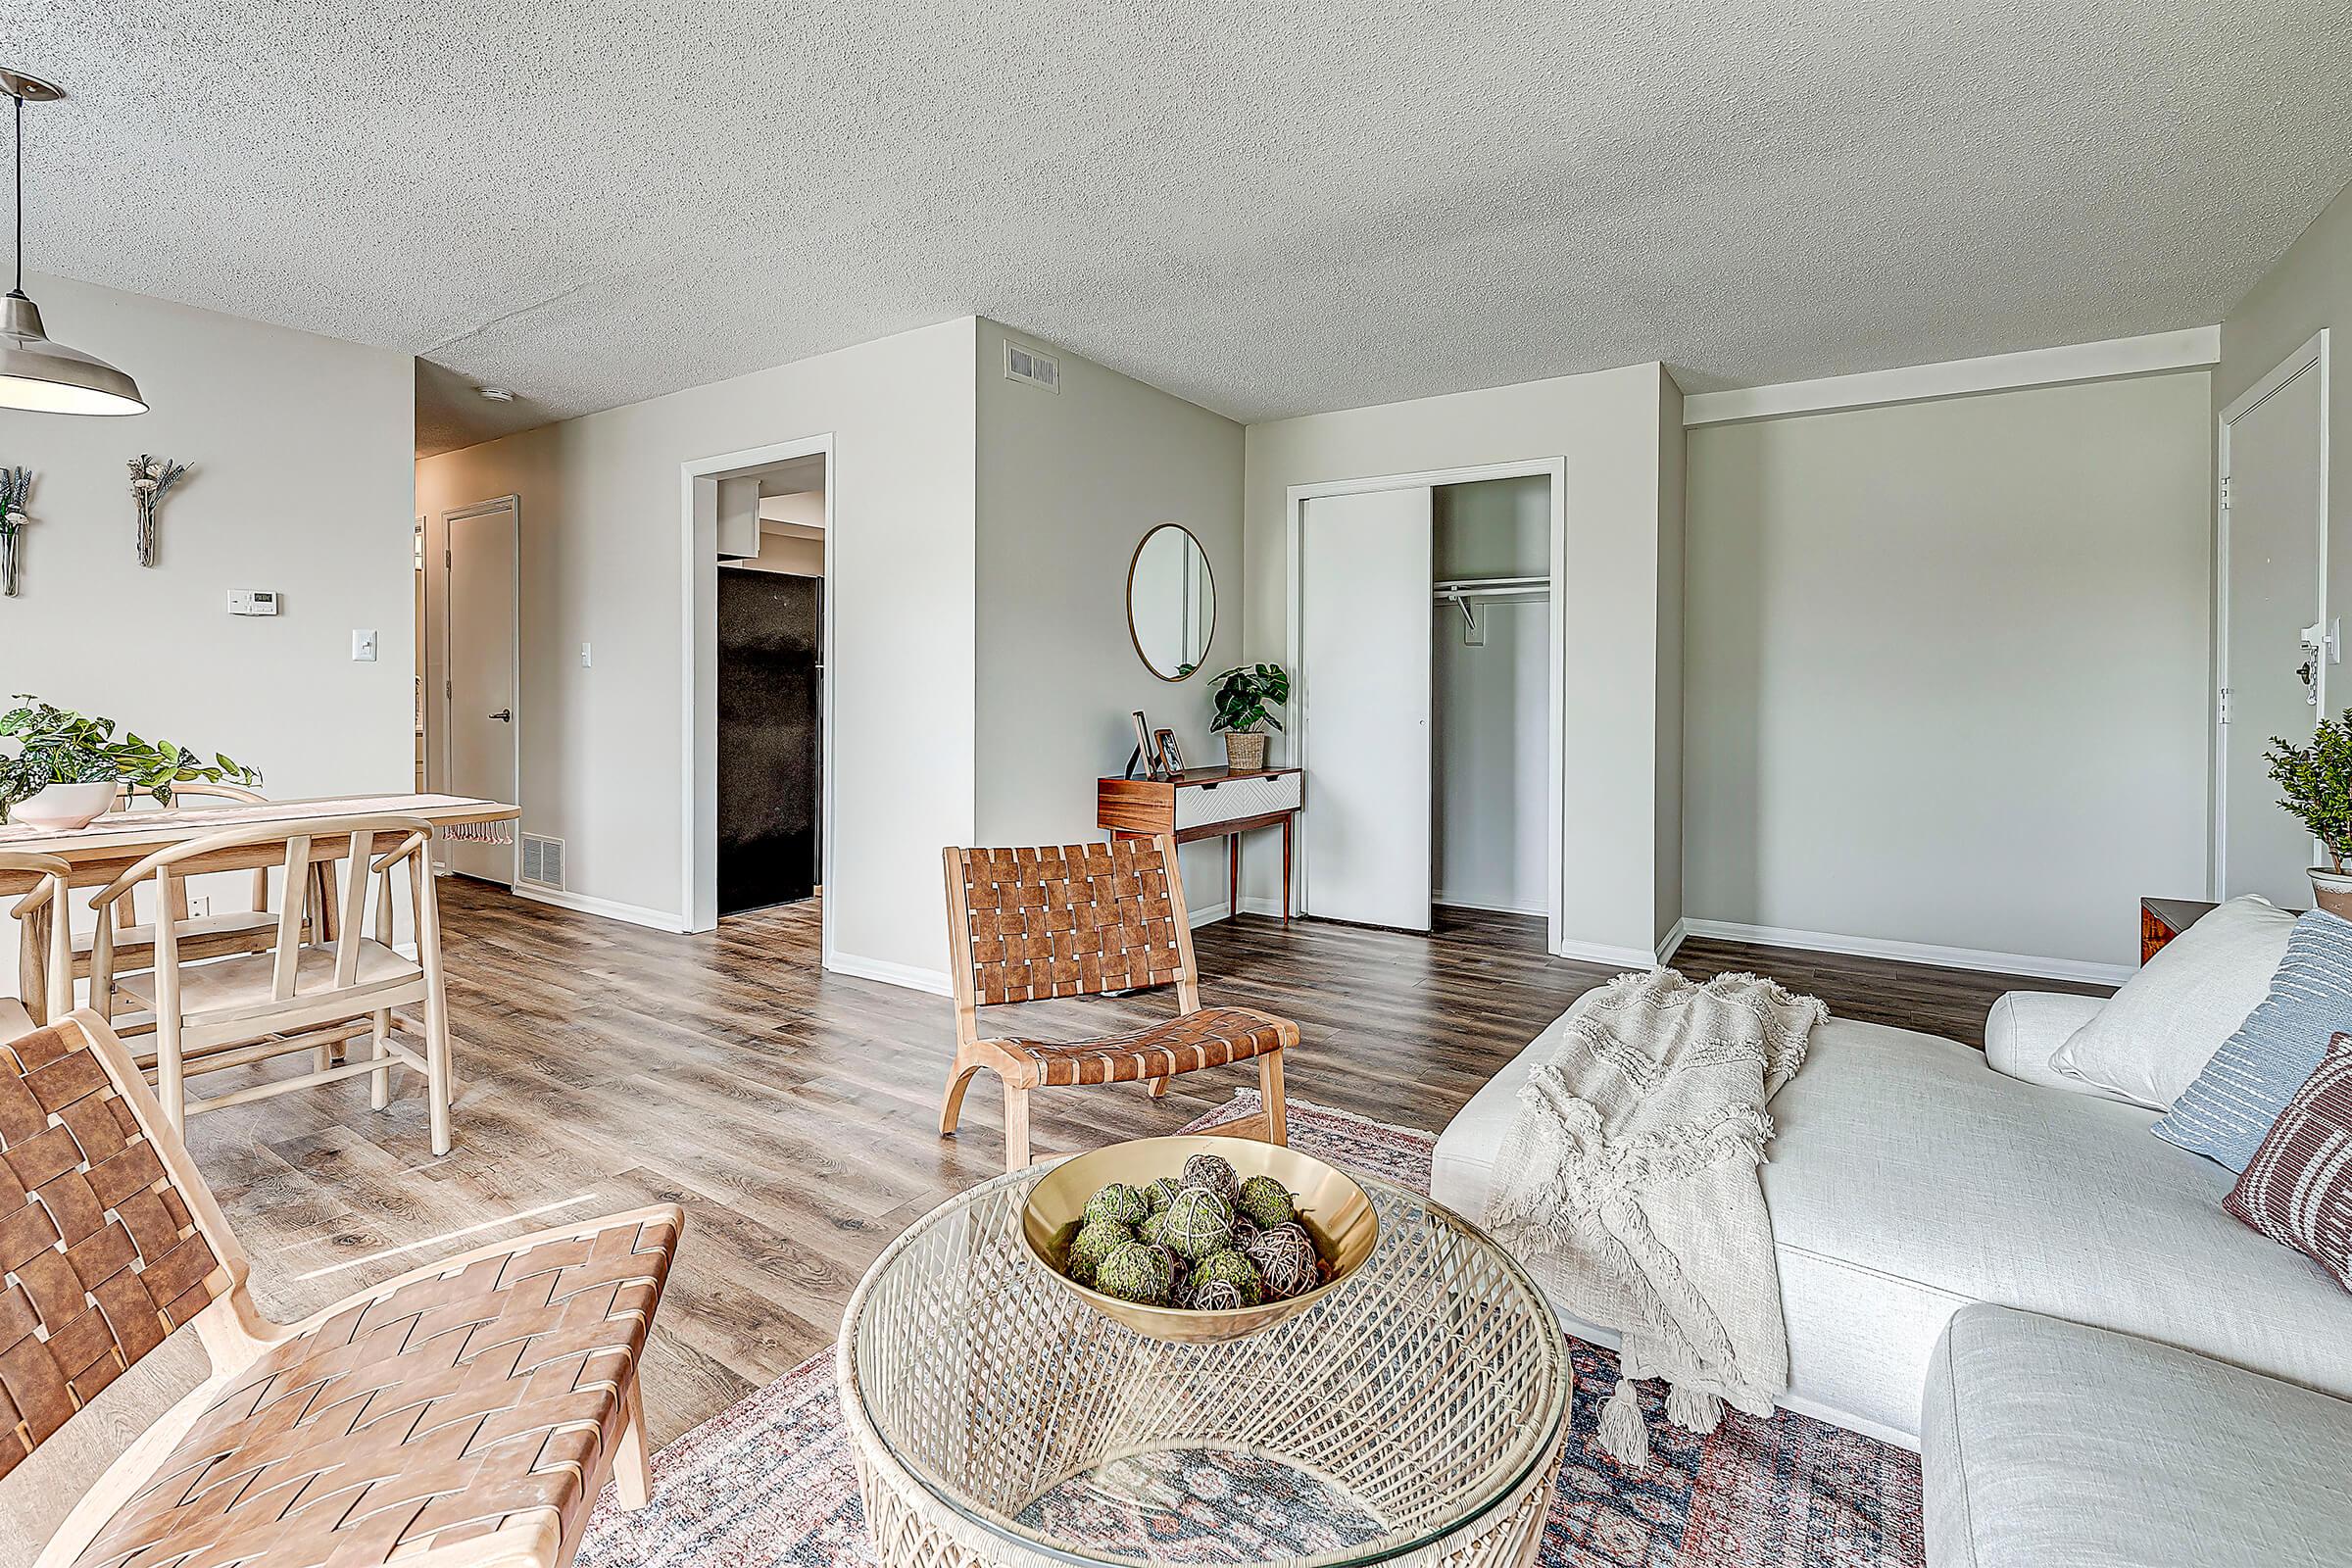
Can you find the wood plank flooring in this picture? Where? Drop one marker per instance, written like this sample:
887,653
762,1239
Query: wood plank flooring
791,1114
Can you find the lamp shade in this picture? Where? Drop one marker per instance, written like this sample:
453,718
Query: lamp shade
52,378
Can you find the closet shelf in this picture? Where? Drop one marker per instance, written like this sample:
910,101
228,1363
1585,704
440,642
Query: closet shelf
1493,587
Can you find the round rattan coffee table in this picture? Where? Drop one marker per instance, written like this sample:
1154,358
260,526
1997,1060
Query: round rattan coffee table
1414,1414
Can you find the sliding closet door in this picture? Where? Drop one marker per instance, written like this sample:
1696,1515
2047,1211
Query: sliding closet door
1363,657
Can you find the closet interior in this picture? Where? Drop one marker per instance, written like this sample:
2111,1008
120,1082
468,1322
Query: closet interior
1426,671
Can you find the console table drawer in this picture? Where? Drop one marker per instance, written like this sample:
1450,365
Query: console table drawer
1235,799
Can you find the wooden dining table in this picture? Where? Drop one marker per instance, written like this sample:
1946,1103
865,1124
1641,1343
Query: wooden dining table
119,840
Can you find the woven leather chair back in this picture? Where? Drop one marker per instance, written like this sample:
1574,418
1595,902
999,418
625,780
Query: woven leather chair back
1068,920
99,1254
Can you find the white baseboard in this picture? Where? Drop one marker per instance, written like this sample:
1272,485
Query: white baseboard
1674,934
1272,907
1453,902
609,908
933,981
1939,958
1602,953
1206,915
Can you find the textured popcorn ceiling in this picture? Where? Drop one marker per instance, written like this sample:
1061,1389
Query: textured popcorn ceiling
1268,209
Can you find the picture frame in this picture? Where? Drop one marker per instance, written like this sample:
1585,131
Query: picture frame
1146,752
1171,755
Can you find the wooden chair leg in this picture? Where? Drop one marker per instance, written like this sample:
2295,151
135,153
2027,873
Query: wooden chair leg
950,1108
379,1082
1269,1092
1016,1128
632,1466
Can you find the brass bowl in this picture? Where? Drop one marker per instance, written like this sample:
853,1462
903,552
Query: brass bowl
1332,1206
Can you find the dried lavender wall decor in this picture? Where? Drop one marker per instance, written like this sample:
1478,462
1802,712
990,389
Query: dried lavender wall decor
151,479
15,488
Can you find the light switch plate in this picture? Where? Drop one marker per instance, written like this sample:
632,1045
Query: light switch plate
583,656
363,647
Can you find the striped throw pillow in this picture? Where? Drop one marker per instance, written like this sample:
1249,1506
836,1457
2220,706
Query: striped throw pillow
2298,1189
2226,1112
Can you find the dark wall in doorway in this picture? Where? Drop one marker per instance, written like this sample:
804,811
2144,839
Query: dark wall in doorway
768,738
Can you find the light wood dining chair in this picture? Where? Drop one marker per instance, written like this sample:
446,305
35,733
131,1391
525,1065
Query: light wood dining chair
303,993
35,956
1082,920
464,1414
215,933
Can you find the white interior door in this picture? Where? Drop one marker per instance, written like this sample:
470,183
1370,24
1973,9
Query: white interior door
481,722
2272,682
1365,675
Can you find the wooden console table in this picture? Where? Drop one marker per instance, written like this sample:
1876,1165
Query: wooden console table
1206,803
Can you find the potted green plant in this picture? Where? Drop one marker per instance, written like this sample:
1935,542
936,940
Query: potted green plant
1241,699
64,768
2314,786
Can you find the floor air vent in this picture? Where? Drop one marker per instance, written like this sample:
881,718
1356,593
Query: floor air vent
543,860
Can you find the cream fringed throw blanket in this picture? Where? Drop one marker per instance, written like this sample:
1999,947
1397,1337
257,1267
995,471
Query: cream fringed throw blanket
1629,1187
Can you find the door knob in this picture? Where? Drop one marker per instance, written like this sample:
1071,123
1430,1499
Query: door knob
505,716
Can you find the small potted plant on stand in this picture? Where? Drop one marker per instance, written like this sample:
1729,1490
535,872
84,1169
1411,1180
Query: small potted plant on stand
64,769
1242,697
2314,786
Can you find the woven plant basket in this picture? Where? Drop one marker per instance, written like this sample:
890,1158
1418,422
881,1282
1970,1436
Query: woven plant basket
1245,754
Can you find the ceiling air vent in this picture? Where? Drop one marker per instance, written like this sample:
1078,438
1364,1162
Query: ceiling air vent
1027,365
543,860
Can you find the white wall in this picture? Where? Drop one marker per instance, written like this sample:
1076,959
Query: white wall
602,563
1946,667
299,451
1491,728
1069,483
1606,425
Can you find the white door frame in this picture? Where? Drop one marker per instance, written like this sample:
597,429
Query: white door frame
437,768
2313,355
699,738
1556,468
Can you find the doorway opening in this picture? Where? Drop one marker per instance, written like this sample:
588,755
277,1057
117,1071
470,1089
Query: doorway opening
770,697
1428,631
721,499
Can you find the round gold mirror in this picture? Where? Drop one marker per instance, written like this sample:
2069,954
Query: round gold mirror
1172,602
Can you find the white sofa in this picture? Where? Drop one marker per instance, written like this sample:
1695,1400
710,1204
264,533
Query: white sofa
1913,1175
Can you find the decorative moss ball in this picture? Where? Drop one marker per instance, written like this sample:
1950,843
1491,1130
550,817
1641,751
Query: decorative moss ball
1161,1193
1286,1261
1266,1200
1214,1172
1148,1230
1229,1267
1095,1240
1197,1223
1119,1204
1136,1272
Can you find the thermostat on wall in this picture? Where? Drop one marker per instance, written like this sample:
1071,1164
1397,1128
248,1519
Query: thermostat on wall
252,602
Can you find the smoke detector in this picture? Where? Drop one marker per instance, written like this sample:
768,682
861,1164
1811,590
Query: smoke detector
496,394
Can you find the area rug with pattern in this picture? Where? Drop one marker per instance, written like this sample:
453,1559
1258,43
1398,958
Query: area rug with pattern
770,1479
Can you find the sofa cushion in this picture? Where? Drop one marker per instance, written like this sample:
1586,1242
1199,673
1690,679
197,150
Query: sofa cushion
2026,1028
2152,1038
2048,1445
1908,1178
2228,1110
2298,1188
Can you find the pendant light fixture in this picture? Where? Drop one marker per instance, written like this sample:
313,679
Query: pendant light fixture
36,372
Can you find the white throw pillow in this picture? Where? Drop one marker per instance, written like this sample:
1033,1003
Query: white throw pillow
2151,1042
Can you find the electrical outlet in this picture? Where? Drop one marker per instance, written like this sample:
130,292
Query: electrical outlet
199,905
